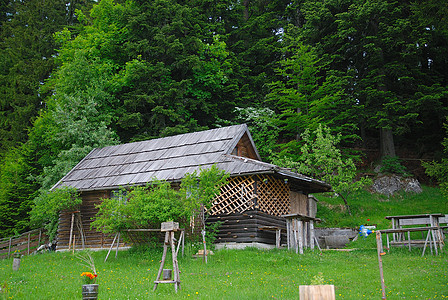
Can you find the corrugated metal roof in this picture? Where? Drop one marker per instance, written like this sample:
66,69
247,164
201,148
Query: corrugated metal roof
170,158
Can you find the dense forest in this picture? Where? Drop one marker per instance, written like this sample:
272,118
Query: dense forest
75,75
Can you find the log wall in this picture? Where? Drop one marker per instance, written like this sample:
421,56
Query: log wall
93,238
245,227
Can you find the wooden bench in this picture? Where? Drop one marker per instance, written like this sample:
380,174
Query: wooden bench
431,220
430,237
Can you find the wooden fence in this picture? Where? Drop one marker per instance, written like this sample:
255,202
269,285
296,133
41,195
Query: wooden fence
25,243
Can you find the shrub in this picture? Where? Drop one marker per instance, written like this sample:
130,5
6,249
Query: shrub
48,205
392,165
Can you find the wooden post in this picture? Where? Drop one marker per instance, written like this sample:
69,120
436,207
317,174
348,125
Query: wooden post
278,236
111,246
300,233
387,241
71,231
118,242
409,240
183,242
9,248
288,232
175,265
317,292
29,235
40,235
435,241
205,246
379,245
162,263
311,235
81,231
296,234
428,236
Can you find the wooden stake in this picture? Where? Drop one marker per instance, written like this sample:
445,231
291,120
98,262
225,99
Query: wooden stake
205,246
426,243
71,231
9,248
29,235
118,242
111,246
379,245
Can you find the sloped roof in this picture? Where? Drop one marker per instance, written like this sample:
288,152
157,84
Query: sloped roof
170,158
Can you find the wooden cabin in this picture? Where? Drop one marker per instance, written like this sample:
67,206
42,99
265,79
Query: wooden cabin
257,193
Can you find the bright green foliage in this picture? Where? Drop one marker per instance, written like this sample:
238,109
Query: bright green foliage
48,206
304,97
200,187
321,159
262,127
140,207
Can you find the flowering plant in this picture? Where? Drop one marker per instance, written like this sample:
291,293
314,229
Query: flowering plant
90,277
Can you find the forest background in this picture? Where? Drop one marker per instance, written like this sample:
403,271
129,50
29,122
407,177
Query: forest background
75,75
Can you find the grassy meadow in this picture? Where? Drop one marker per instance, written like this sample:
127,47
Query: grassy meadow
252,273
232,274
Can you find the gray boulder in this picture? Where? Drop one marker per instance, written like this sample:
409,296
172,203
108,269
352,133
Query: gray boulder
390,184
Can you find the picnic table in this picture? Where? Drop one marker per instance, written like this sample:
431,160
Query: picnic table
405,224
429,238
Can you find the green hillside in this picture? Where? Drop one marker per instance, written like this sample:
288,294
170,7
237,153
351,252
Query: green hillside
371,209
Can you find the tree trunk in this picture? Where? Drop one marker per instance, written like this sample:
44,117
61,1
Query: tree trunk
246,4
387,146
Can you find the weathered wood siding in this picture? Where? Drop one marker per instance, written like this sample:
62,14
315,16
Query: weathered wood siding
299,203
244,227
259,200
93,238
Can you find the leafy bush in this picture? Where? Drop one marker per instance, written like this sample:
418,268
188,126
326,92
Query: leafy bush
321,159
140,207
48,205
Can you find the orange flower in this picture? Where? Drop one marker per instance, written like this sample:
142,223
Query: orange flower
89,275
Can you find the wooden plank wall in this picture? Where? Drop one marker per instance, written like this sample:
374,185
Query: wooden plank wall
93,238
244,227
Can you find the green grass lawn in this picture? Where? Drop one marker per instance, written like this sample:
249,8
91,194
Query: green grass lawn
233,274
251,273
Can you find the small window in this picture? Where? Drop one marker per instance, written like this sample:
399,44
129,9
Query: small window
120,195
